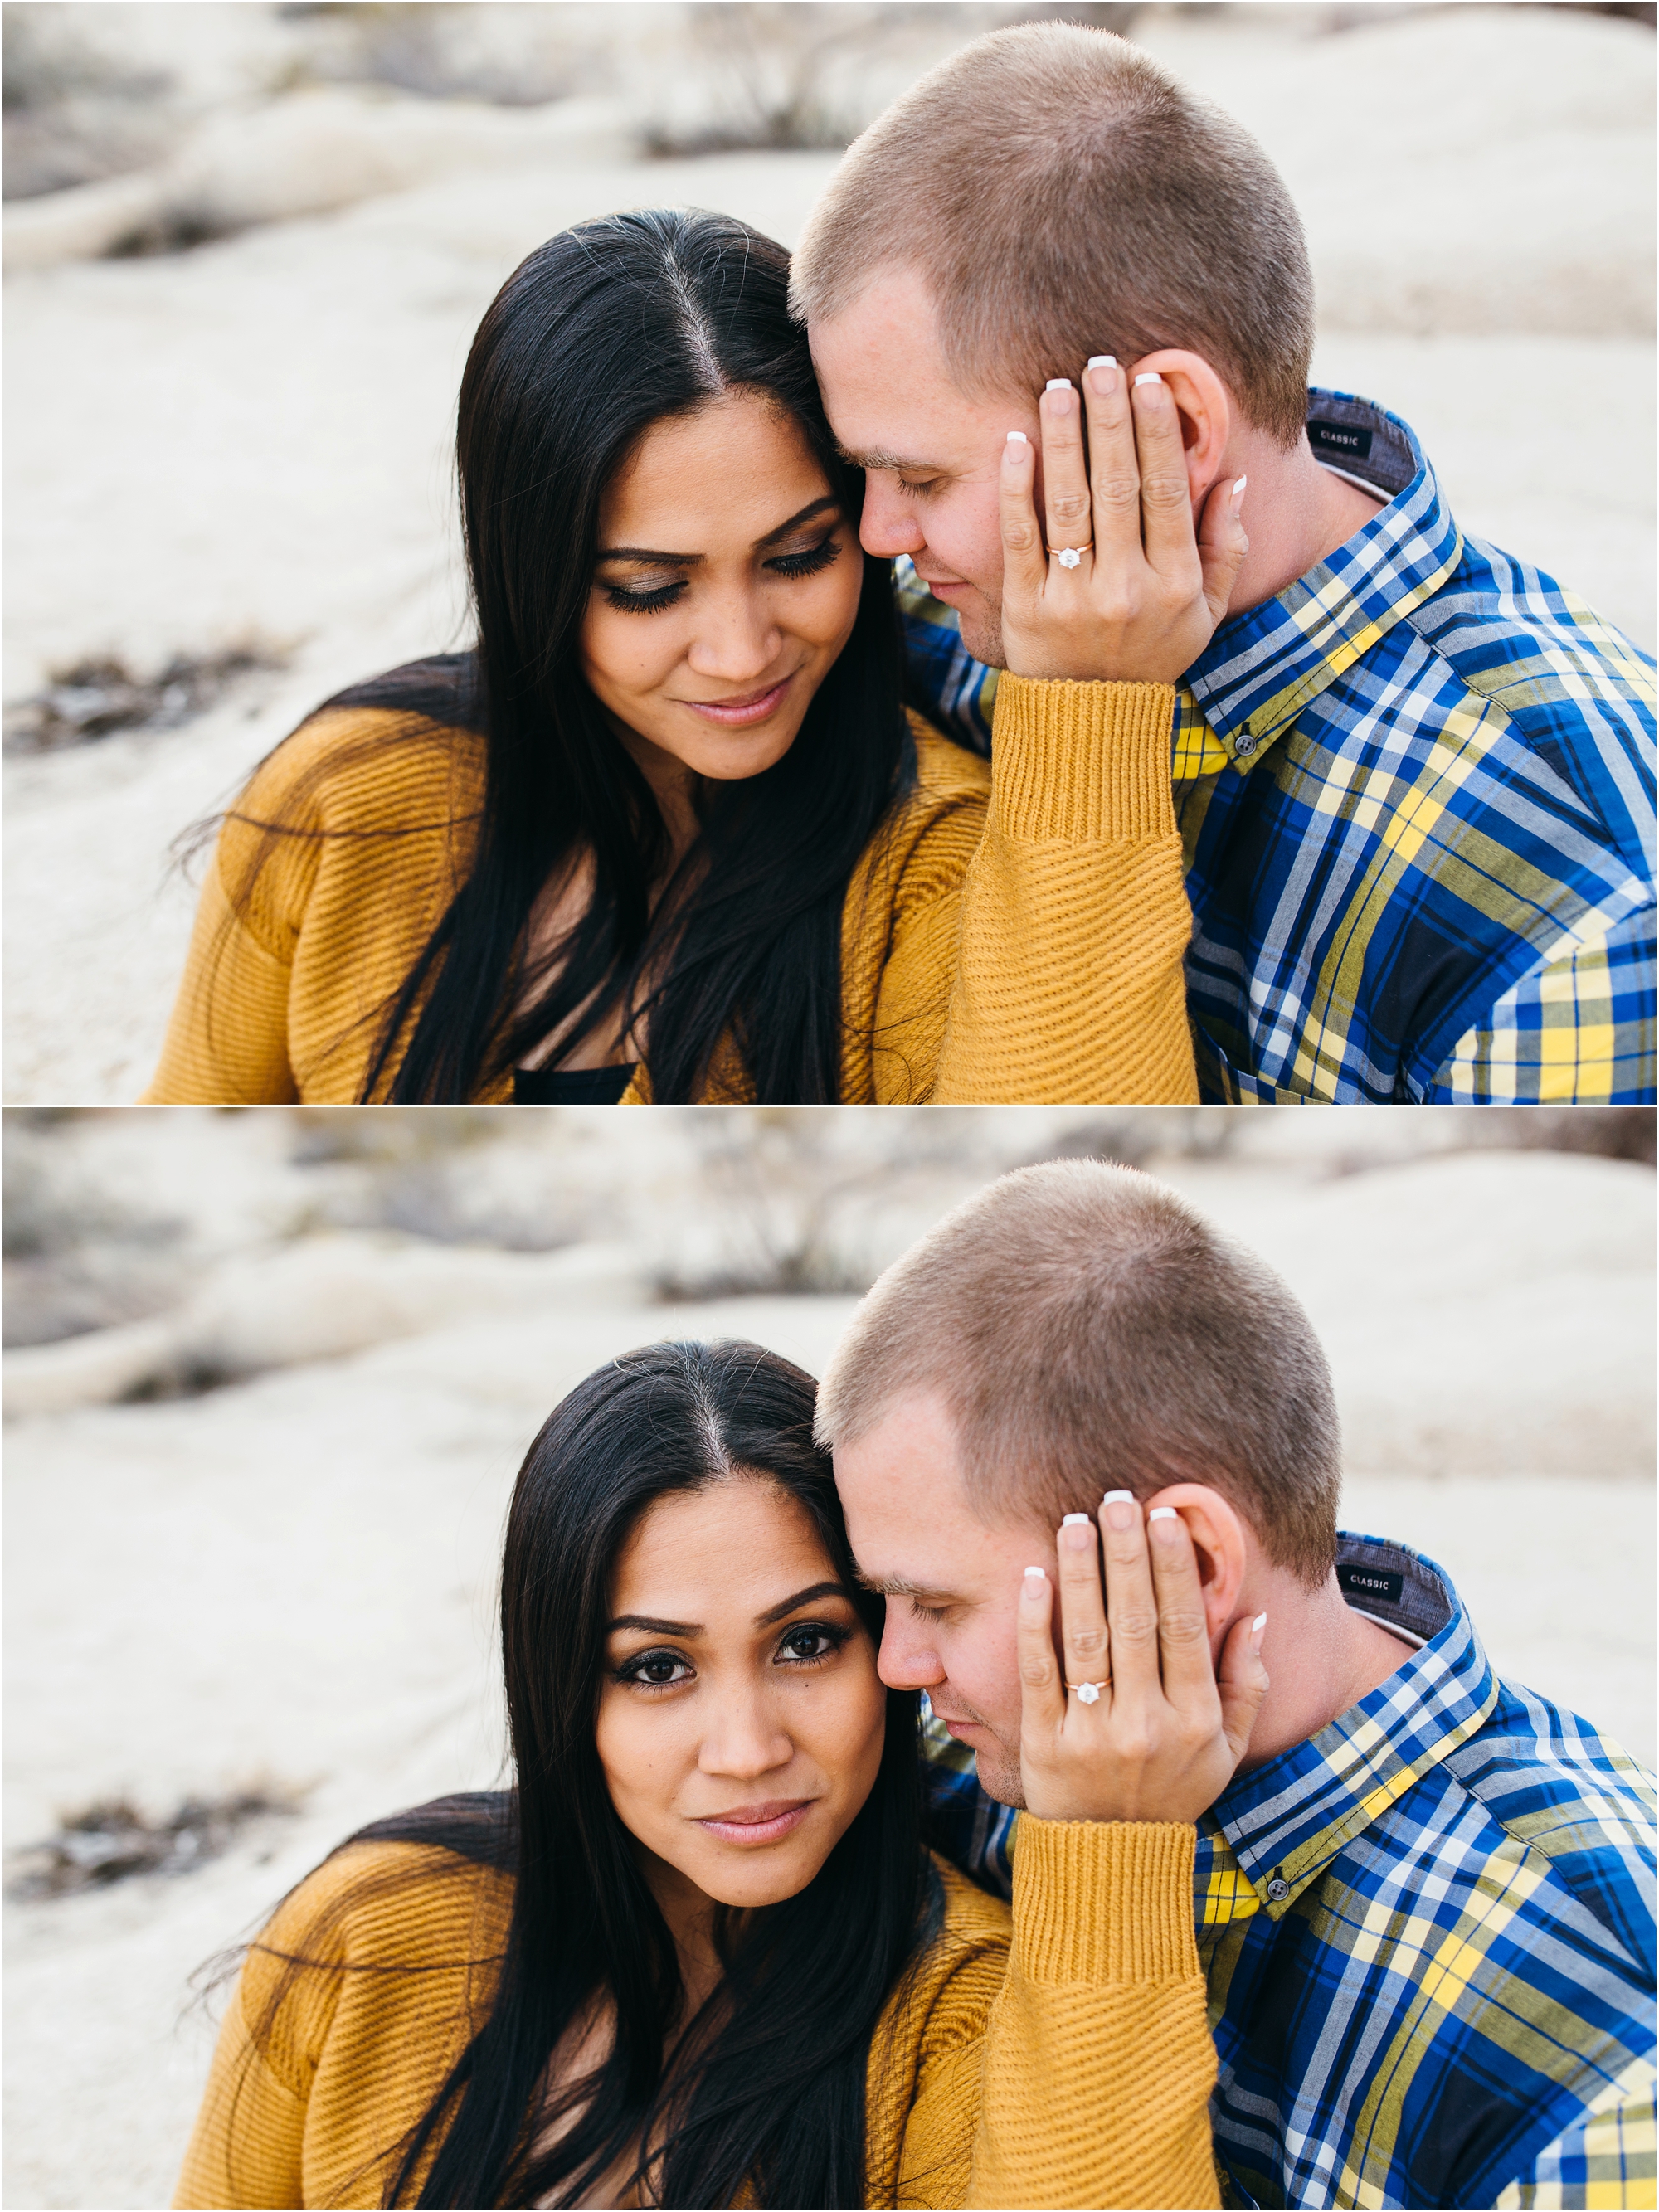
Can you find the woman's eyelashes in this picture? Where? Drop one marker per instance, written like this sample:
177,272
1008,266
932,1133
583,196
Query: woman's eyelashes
809,563
824,1638
803,1643
650,598
646,602
655,1670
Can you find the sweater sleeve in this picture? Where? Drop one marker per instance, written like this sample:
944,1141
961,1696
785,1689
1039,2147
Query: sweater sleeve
226,1041
1068,985
1086,2081
248,2143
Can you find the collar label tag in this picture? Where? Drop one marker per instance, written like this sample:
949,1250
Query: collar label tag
1370,1582
1339,438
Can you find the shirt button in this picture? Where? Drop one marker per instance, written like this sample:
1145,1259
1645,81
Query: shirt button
1244,746
1279,1891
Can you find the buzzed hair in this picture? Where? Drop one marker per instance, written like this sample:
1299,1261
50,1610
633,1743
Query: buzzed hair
1061,195
1088,1330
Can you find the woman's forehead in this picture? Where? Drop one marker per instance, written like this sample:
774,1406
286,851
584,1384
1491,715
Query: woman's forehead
730,473
733,1549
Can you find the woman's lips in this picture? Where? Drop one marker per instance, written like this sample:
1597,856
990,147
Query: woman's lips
738,713
757,1824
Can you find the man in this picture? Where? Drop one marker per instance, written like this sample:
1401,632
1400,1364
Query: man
1414,776
1423,1904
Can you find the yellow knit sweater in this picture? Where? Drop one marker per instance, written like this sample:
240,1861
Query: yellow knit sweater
1070,2066
1006,937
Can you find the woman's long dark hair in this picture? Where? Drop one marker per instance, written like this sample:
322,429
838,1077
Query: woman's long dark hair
773,2094
608,328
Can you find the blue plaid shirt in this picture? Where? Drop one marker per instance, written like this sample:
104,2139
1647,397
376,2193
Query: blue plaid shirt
1416,794
1428,1933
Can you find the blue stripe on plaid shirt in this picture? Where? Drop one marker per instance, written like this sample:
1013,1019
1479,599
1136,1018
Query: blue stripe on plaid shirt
1416,792
1428,1933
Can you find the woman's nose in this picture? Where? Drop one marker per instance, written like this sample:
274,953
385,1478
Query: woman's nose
737,642
744,1741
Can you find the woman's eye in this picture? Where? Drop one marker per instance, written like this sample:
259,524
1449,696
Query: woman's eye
646,602
808,563
816,1642
656,1670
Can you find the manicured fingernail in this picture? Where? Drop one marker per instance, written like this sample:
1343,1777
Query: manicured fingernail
1058,393
1119,1497
1256,1628
1163,1513
1157,1520
1018,447
1075,1533
1058,384
1119,1506
1102,360
1149,376
1240,485
1035,1577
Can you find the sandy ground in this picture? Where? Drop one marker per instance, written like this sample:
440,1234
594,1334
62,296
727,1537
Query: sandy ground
292,1578
252,441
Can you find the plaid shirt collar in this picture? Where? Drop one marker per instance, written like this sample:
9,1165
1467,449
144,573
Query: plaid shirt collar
1280,1825
1261,667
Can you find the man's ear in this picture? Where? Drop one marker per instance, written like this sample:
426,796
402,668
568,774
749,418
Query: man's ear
1205,409
1219,1539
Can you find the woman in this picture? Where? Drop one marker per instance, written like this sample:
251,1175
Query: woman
698,1956
668,833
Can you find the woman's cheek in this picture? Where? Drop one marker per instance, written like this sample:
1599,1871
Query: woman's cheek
842,609
629,655
863,1724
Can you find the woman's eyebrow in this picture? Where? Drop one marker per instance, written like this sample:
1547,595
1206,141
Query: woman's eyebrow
691,559
801,1597
644,553
654,1627
814,506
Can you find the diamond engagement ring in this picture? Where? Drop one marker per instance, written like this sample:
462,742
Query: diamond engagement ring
1087,1692
1069,556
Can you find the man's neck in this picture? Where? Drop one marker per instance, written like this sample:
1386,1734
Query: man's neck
1323,1656
1295,512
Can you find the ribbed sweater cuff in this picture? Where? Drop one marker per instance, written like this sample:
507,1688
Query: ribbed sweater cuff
1083,763
1104,1900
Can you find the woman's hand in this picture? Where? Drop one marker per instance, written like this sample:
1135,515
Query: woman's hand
1145,598
1162,1737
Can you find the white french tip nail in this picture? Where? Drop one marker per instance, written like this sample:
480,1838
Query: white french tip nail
1119,1497
1071,1517
1018,438
1036,1575
1163,1513
1240,485
1150,376
1058,384
1102,360
1258,1624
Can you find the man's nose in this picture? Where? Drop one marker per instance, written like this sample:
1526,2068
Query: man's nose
887,525
906,1661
